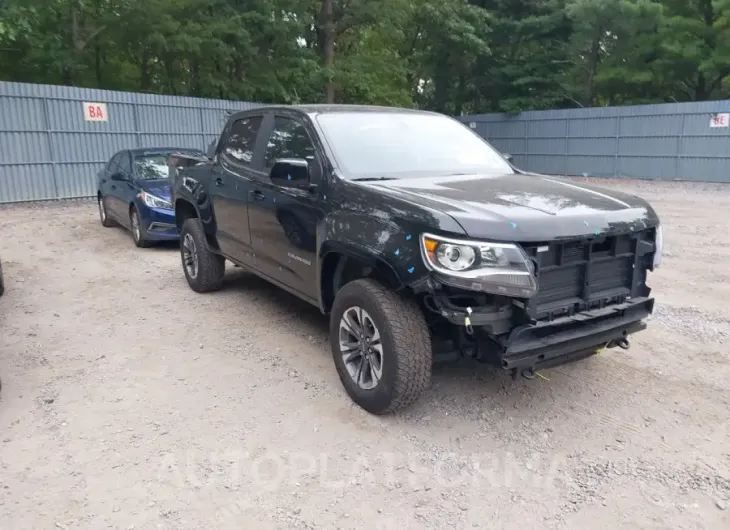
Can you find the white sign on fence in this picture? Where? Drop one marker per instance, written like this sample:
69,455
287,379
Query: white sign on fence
720,120
95,111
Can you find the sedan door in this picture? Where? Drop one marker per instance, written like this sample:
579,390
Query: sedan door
231,180
113,195
284,219
126,189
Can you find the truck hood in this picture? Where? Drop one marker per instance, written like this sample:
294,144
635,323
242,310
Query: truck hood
523,207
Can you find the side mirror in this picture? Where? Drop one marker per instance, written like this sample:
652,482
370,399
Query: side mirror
211,149
508,157
290,173
119,177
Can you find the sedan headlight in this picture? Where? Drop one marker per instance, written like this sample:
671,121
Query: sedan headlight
154,202
499,268
658,246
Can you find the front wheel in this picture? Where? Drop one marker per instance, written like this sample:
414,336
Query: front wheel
139,234
381,346
103,216
203,268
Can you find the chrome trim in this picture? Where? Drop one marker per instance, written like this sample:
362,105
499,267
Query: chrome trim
160,226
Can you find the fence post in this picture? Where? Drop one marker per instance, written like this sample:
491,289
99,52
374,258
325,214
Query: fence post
202,130
566,159
618,143
680,145
135,115
51,152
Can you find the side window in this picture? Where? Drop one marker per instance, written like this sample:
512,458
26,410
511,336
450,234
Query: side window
125,163
113,165
241,142
289,139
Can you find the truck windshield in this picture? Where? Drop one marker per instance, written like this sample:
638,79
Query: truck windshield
403,144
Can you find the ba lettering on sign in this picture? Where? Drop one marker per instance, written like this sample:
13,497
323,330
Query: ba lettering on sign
721,120
95,111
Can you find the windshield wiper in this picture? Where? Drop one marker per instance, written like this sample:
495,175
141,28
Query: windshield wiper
371,179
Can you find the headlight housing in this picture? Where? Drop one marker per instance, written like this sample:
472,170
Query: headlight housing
498,268
658,246
154,202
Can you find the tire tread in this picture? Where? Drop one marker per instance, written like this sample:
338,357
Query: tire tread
411,336
211,266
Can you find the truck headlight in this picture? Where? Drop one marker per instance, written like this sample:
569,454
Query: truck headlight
499,268
154,202
658,246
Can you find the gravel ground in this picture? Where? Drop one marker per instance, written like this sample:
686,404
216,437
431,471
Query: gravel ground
129,401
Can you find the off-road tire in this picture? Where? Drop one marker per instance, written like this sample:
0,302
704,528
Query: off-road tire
104,219
211,266
140,240
407,355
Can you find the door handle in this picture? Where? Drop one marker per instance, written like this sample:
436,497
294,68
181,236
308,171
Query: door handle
219,182
257,195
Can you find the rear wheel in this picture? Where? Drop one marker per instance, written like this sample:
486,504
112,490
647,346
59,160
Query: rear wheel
381,346
203,268
103,217
139,234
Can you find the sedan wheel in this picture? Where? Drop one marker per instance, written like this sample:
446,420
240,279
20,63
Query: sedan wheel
138,233
105,221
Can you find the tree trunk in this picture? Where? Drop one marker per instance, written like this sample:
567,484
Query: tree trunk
144,72
328,24
593,59
97,65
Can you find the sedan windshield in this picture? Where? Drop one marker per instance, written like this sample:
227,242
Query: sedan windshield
401,144
151,167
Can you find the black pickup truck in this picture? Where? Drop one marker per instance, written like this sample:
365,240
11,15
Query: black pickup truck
419,239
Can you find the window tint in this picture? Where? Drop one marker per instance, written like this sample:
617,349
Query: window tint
242,140
289,139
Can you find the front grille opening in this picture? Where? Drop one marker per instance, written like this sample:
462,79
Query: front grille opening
582,274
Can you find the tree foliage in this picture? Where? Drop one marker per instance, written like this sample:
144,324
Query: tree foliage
453,56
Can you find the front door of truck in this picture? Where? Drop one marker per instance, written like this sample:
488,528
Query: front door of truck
230,184
283,220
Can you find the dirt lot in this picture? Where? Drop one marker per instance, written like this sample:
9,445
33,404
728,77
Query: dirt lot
129,401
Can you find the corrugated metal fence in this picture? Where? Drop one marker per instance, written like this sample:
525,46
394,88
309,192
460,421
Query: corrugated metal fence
682,141
49,150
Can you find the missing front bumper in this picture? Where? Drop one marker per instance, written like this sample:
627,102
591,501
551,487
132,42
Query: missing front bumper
566,339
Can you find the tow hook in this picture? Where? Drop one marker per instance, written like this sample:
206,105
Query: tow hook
622,343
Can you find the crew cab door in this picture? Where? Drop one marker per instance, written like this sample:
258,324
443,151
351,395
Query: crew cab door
230,184
283,218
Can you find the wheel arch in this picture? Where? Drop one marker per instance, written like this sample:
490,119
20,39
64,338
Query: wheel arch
184,210
341,264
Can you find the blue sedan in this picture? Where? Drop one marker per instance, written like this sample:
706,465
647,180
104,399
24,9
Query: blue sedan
134,192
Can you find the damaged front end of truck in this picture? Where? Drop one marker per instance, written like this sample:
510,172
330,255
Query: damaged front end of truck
540,304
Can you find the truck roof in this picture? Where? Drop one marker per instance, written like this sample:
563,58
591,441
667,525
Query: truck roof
323,108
